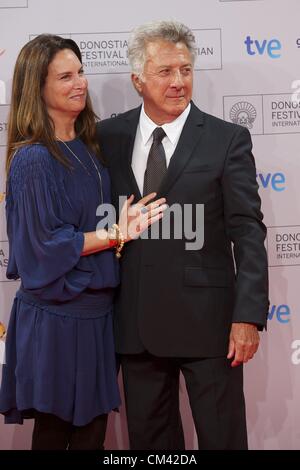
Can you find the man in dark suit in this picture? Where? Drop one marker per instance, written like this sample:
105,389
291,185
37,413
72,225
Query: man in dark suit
191,309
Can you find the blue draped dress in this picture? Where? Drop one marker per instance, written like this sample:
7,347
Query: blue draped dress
59,349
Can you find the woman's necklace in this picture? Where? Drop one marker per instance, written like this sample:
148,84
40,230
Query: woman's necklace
83,165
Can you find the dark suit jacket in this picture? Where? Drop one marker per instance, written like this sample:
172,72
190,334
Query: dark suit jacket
175,302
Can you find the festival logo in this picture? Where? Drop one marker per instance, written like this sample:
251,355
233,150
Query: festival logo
283,246
265,114
107,53
209,49
103,52
243,113
281,114
244,110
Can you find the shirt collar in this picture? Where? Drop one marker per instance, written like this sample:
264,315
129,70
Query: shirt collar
171,129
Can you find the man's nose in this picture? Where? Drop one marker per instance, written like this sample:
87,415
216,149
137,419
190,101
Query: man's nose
177,80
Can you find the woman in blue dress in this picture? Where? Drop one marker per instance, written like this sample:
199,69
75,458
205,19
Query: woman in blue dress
60,362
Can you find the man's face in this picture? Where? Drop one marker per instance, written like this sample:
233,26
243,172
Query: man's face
167,81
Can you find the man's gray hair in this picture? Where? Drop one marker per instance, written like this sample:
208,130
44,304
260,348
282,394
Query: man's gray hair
171,31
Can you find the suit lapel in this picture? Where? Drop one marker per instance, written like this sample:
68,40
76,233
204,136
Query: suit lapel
190,136
131,122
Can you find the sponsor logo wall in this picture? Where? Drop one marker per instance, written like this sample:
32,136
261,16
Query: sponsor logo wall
247,71
264,114
106,53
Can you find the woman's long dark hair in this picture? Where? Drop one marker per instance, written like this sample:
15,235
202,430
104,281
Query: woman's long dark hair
29,121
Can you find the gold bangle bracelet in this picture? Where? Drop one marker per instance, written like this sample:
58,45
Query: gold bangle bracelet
120,240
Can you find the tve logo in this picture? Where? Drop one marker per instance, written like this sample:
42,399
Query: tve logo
275,181
280,313
272,47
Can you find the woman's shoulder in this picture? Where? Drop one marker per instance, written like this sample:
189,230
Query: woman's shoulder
29,164
31,157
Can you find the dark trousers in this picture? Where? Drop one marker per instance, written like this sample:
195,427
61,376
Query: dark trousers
215,391
52,433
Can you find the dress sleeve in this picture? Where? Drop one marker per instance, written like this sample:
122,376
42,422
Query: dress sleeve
45,248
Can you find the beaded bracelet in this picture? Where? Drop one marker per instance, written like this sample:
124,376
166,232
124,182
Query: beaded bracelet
116,239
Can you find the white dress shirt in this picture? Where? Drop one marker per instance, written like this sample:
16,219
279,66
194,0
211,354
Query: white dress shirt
144,138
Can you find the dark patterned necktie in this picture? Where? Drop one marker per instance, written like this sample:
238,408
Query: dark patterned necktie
156,163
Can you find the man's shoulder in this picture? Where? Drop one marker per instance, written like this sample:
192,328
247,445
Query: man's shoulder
117,123
219,124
